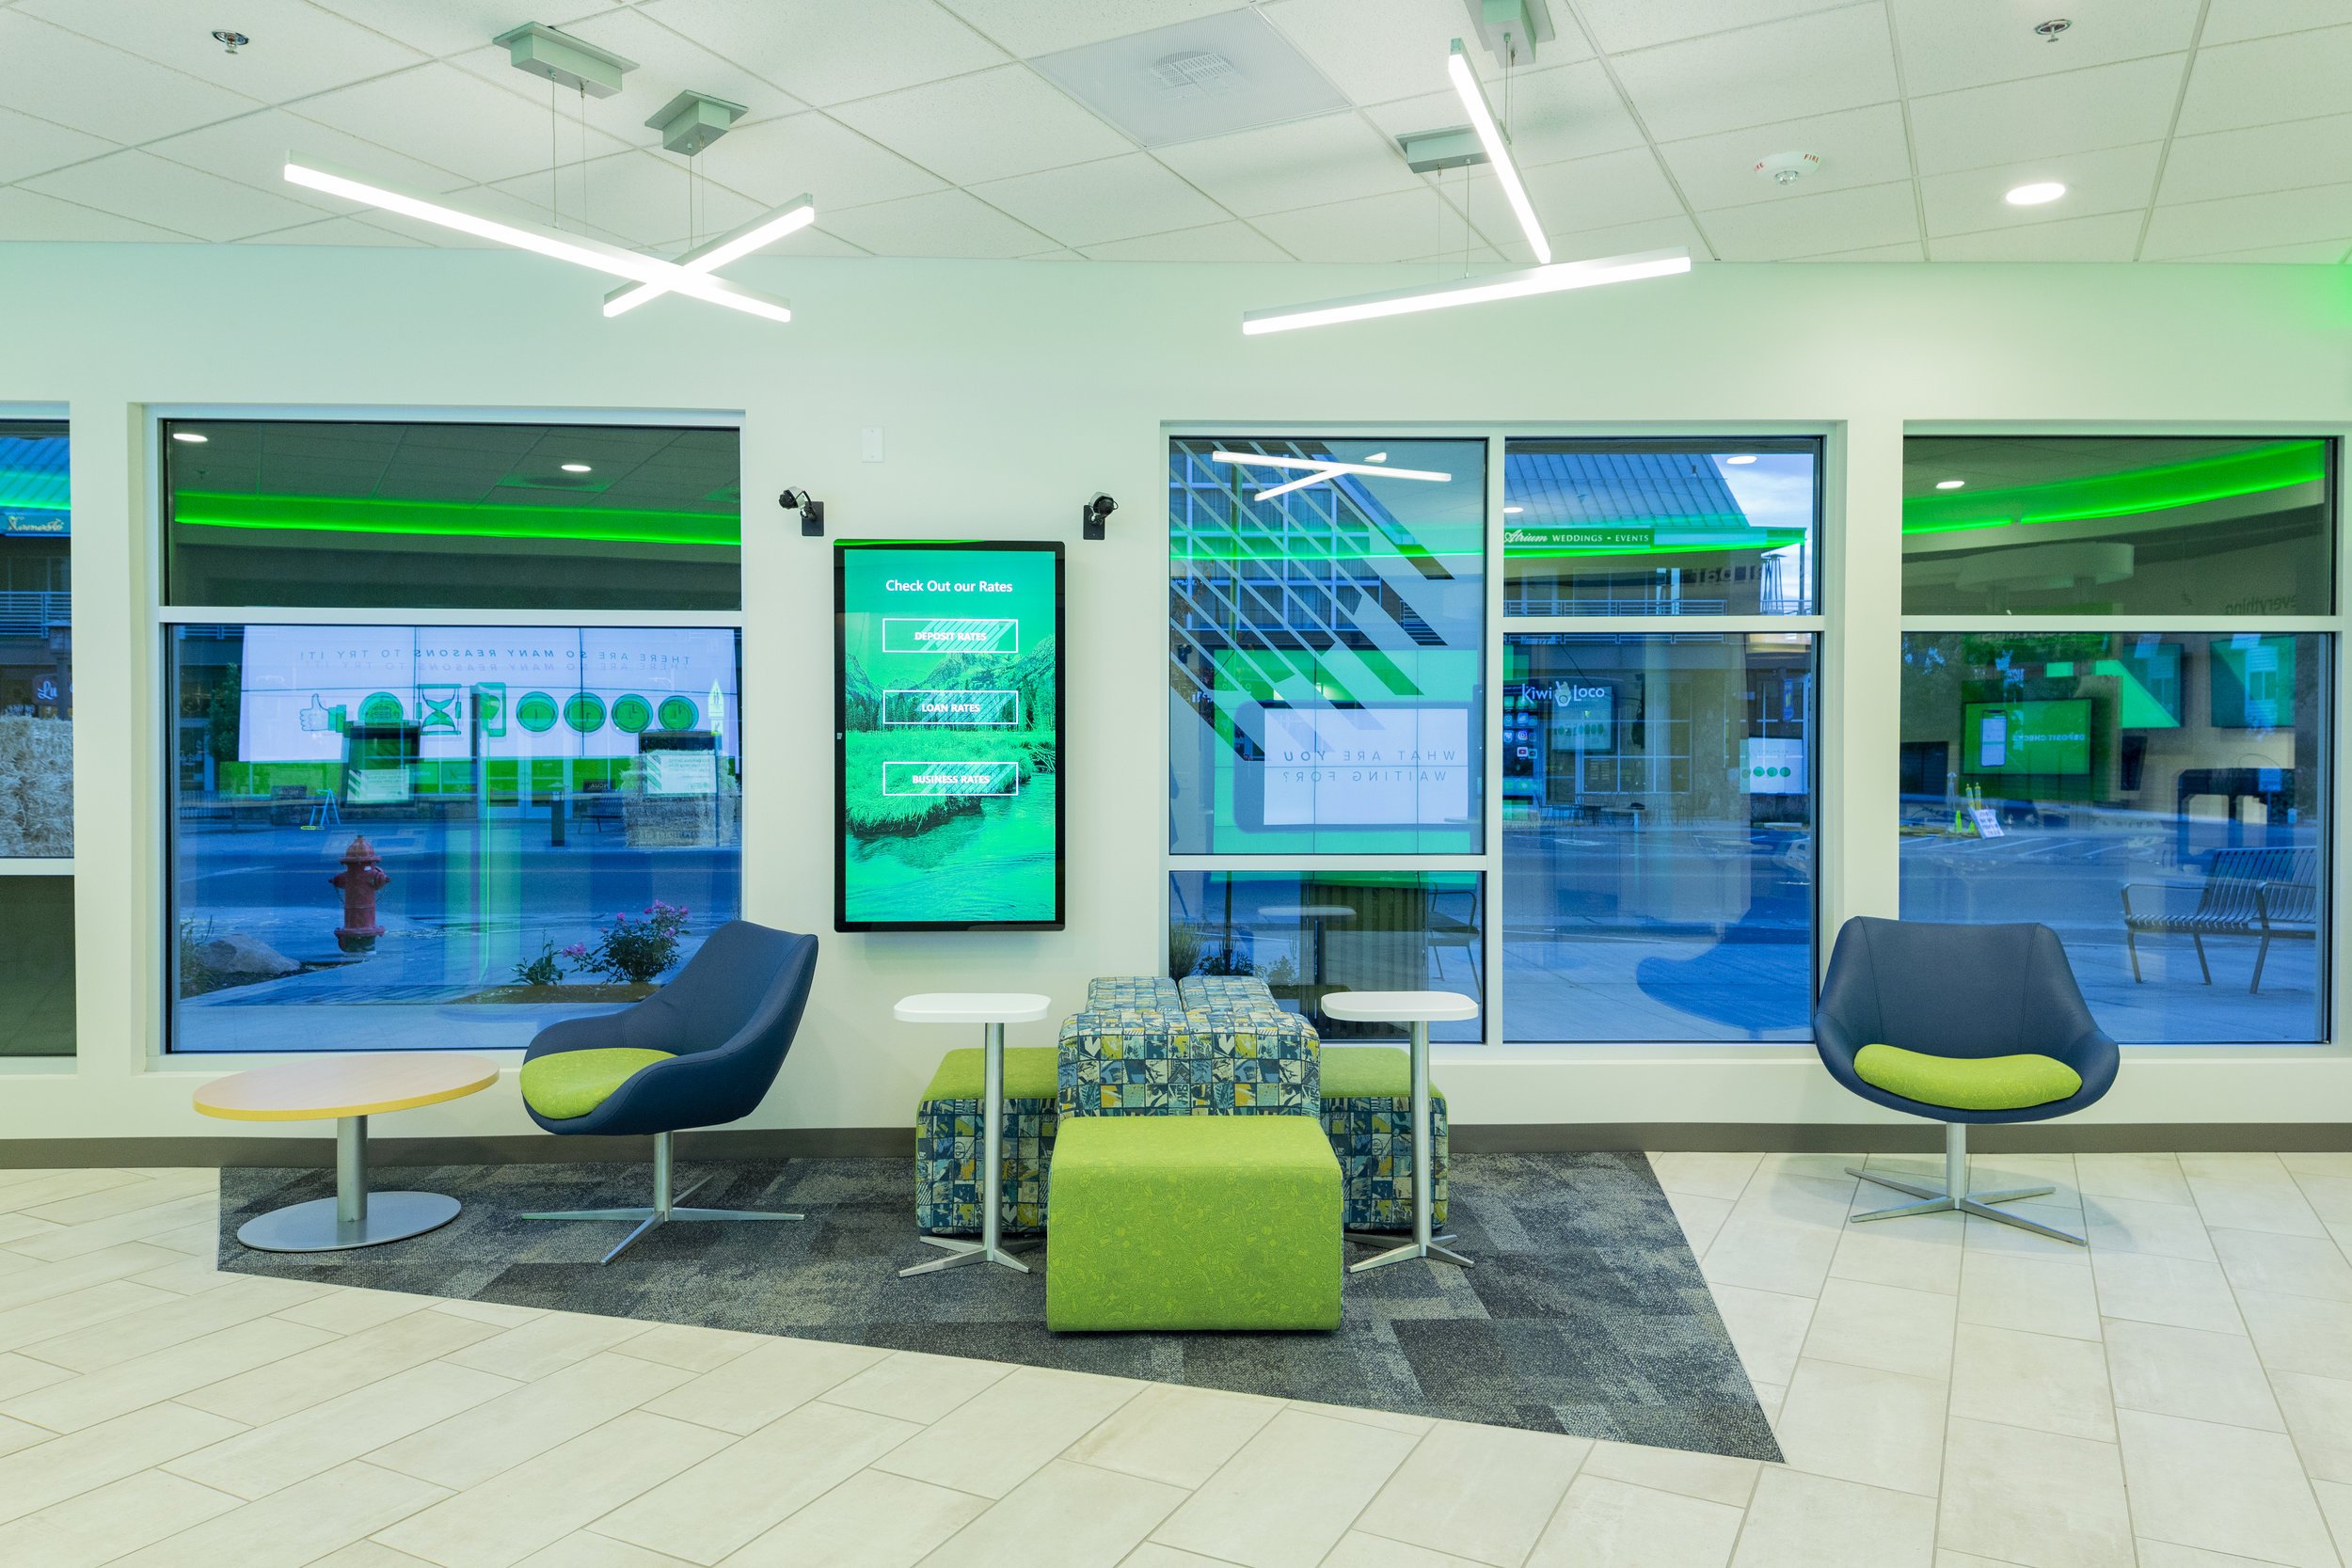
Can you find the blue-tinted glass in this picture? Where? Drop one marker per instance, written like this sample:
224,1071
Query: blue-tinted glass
36,966
1658,838
36,643
2156,798
1659,528
1310,933
546,819
1326,646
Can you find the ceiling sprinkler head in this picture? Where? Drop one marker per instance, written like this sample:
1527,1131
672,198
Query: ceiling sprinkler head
2048,31
230,39
1787,169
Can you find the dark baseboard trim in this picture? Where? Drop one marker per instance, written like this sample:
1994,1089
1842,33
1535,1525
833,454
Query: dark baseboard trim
1491,1138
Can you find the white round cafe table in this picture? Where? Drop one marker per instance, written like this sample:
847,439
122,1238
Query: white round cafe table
1418,1008
348,1089
1318,917
991,1010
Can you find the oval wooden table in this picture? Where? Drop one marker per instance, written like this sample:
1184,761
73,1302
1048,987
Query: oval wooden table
349,1090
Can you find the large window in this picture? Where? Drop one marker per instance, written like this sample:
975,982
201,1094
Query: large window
2156,798
2157,526
1657,837
460,516
1326,646
531,823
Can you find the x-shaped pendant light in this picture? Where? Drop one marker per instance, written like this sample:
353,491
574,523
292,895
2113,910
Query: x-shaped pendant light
693,274
1318,470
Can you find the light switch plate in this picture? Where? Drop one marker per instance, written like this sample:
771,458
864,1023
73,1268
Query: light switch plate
869,443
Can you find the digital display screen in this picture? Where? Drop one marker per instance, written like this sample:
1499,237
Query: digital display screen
2027,737
947,751
2253,683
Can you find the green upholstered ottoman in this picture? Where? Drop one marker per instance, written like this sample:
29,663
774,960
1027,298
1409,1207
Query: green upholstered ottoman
1215,1221
948,1137
1368,1116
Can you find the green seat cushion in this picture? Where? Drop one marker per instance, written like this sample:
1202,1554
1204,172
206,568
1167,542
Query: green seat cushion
1369,1073
962,1074
568,1083
1206,1222
1966,1083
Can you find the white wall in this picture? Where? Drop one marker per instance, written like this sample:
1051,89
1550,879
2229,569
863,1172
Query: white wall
1011,391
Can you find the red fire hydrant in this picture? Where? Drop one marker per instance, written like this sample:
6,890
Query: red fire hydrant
363,874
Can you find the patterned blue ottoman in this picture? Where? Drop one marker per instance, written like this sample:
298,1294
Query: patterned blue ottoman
1205,1062
948,1136
1227,990
1149,994
1368,1116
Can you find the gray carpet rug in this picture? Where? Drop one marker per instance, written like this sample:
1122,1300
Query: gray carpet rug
1586,1312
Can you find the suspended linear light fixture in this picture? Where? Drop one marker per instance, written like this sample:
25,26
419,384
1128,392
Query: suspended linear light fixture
793,216
1482,118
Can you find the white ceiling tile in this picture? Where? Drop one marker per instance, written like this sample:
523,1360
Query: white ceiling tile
1814,225
990,125
776,160
1857,147
1308,163
1620,25
1474,256
1387,227
641,195
454,121
2259,158
2294,76
65,78
666,65
823,51
2310,253
2108,105
334,231
1117,198
253,147
1909,251
2247,222
28,146
2230,20
2103,237
1029,29
1624,238
1808,65
1947,46
944,223
450,26
1057,254
148,189
1570,111
1586,192
297,48
25,216
2112,180
1378,50
1218,241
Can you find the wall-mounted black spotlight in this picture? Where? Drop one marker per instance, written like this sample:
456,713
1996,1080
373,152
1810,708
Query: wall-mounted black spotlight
812,513
1095,514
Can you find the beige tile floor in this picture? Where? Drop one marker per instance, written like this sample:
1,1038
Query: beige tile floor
1949,1394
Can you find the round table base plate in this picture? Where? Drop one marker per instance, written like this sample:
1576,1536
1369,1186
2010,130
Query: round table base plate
312,1227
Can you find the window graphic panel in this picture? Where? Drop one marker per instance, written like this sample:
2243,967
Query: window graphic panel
527,823
36,641
37,966
1327,616
2156,798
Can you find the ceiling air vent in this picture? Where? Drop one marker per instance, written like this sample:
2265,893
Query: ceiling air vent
1205,77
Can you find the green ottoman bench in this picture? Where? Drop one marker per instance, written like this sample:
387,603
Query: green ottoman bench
948,1136
1176,1222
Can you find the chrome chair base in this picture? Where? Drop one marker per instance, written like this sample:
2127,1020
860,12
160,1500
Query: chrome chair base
1434,1248
666,1206
1954,1196
961,1252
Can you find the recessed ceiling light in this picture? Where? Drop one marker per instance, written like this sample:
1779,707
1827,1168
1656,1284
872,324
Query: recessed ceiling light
1513,511
1743,457
190,437
1949,484
2037,194
577,468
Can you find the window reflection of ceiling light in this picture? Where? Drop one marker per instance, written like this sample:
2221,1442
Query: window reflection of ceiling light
2037,194
1318,470
1949,484
1375,457
577,468
1745,457
1470,290
1513,511
190,437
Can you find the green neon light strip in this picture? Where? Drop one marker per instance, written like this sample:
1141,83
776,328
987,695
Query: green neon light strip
2159,488
451,519
1759,539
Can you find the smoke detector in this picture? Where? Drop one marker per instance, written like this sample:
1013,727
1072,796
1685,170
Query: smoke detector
1787,169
